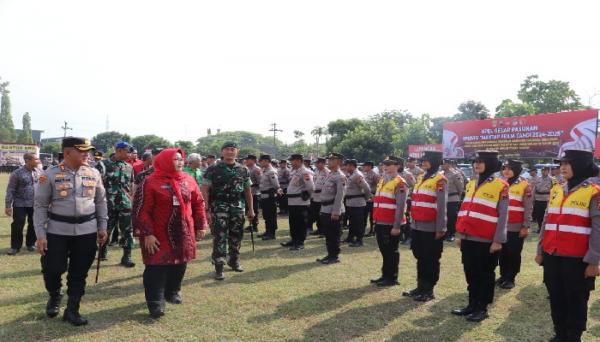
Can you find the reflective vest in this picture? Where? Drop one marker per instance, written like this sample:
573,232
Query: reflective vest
384,201
478,215
424,198
516,209
568,223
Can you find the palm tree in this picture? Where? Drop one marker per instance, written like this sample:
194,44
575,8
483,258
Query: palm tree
318,132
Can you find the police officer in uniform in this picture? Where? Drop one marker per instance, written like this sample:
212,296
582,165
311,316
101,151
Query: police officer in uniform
372,179
357,193
321,173
299,192
410,179
542,195
456,188
428,226
569,246
481,227
255,173
332,208
269,188
70,218
283,172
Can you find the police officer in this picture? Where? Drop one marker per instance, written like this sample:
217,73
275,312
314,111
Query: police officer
299,192
255,173
456,187
542,195
372,179
410,180
269,188
428,227
321,173
389,205
332,208
357,193
227,185
283,172
481,226
569,246
70,217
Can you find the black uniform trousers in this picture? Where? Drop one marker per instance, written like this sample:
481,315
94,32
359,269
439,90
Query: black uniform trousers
428,251
269,210
388,247
539,209
452,214
569,292
510,256
283,202
406,227
369,214
298,219
162,281
356,217
16,227
479,267
255,206
333,232
71,254
315,212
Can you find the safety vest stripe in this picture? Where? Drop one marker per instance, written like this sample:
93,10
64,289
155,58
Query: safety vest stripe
422,191
568,229
480,216
513,208
385,194
484,202
424,204
385,205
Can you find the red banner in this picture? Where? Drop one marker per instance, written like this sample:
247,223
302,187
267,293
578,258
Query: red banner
416,151
533,136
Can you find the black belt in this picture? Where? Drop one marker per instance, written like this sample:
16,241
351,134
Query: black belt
293,195
453,193
267,192
318,191
353,196
327,202
543,192
72,219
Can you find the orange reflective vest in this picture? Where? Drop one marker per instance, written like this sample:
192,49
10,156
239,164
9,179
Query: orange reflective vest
516,193
424,198
384,201
478,214
568,223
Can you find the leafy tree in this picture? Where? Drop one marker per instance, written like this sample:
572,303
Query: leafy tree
263,144
508,108
26,136
54,148
471,110
105,141
7,127
318,132
187,146
298,134
149,141
548,97
338,129
437,128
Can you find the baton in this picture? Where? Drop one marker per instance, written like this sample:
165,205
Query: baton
98,263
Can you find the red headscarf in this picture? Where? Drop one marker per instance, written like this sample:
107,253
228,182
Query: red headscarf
164,169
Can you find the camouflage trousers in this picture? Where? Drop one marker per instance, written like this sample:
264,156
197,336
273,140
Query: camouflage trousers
228,231
121,220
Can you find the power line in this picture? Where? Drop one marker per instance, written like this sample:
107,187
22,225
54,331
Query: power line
274,129
65,128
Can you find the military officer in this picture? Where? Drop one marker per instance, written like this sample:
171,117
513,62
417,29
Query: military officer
357,193
332,208
269,188
299,192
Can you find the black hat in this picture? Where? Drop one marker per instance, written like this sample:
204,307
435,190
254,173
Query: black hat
369,163
228,144
307,160
265,157
353,162
411,159
274,161
486,154
334,155
569,155
432,156
80,144
146,155
282,161
392,160
296,157
251,156
513,163
211,156
156,150
98,154
321,160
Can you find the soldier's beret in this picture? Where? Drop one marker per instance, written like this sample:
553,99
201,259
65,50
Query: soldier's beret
211,156
251,156
122,144
229,144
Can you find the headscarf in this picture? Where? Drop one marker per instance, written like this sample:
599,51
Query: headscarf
492,165
164,170
582,170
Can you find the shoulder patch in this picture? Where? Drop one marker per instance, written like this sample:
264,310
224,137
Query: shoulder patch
504,192
528,191
43,179
306,176
440,184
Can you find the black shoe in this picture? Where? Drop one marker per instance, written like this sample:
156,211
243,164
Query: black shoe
126,259
387,282
412,293
356,244
13,251
463,311
53,306
174,298
406,242
31,248
375,281
297,248
235,266
477,316
219,272
71,313
287,244
450,238
156,309
500,280
507,285
424,297
268,237
329,261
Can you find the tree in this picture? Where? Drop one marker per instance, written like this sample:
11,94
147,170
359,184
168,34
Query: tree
148,142
508,108
186,146
26,136
548,97
339,128
212,144
298,134
318,132
7,127
471,110
55,148
437,128
105,141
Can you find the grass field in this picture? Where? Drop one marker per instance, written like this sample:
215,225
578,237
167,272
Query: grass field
282,296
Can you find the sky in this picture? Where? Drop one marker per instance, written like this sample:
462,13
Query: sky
176,68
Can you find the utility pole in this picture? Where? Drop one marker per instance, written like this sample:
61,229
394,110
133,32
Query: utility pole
275,130
65,128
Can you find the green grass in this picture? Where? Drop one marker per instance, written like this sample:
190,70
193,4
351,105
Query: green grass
281,296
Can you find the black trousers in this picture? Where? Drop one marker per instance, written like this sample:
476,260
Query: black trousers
71,254
356,217
569,292
406,227
315,211
510,256
479,267
298,219
16,227
539,209
255,206
283,202
452,214
162,280
428,251
388,247
269,211
333,232
369,215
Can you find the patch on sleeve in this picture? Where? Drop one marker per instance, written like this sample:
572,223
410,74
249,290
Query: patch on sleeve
504,193
528,191
43,179
440,185
306,177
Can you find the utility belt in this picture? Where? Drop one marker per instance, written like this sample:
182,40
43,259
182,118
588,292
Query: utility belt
318,191
72,219
453,194
352,196
304,195
326,203
543,192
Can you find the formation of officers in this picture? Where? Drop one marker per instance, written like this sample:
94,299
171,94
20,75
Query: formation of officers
77,207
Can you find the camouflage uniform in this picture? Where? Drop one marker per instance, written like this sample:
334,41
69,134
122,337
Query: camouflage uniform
227,205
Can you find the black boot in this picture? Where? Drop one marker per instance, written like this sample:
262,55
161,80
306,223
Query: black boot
219,271
156,309
235,265
103,252
466,310
173,298
377,280
479,314
126,259
53,305
71,313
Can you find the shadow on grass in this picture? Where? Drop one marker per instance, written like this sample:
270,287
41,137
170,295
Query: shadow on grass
314,304
22,274
529,320
264,274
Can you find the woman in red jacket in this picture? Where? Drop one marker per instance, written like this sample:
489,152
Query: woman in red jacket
168,214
